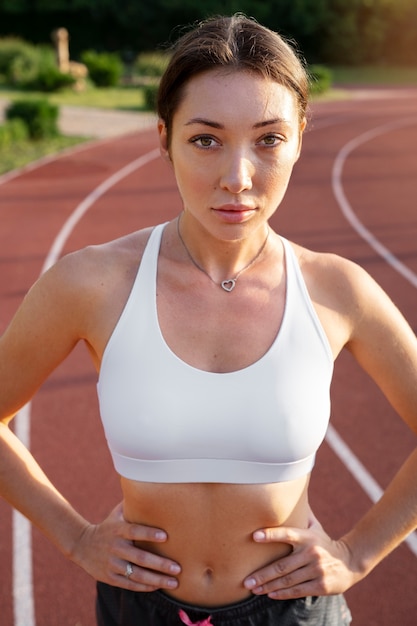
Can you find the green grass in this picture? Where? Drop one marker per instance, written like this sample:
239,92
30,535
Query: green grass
379,75
131,99
121,98
344,77
24,152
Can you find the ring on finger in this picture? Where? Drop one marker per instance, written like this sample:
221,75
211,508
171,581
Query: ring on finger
129,570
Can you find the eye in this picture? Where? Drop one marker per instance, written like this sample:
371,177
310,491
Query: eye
204,141
271,140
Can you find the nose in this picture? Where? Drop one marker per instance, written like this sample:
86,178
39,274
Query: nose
237,175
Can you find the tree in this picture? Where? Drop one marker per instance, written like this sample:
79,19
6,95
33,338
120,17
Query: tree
332,31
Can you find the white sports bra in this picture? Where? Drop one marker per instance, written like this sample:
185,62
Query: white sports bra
168,422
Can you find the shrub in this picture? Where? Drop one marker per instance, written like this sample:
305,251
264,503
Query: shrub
18,129
150,93
50,79
12,131
105,69
31,67
10,48
40,116
23,67
151,63
320,78
5,136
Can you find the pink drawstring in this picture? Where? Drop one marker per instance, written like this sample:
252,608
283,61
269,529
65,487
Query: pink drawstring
186,620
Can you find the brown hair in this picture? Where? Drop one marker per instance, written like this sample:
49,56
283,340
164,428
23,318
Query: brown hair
235,43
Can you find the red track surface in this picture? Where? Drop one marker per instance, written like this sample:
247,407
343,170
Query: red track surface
380,182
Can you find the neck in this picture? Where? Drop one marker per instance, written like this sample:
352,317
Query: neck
222,262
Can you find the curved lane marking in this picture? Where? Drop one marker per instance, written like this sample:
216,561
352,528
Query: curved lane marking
350,460
345,206
24,612
23,597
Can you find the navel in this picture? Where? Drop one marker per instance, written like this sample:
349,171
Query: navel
208,575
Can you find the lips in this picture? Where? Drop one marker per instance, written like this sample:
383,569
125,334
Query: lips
234,213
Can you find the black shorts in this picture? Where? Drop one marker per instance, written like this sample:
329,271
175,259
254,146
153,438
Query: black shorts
118,607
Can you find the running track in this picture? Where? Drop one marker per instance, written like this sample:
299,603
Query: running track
353,192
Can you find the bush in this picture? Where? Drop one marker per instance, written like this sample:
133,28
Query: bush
105,69
12,131
50,79
150,93
40,116
31,67
24,67
320,79
151,63
10,48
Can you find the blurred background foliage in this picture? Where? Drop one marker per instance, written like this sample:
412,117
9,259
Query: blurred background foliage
335,32
119,48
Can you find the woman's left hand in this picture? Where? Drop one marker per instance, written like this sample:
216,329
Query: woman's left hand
317,565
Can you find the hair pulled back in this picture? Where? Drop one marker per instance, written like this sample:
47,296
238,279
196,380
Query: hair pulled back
233,43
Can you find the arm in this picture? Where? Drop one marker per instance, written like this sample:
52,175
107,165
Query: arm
54,316
385,346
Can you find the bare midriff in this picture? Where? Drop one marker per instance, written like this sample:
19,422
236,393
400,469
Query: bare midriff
210,531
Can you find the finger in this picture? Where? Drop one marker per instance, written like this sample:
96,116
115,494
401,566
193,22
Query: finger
272,581
129,553
151,561
307,581
135,532
140,532
302,590
280,534
141,579
280,569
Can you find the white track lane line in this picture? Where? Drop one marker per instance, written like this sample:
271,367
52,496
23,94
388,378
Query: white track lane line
22,582
346,207
353,464
23,596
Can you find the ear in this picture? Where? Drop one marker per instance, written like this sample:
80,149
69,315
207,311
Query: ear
303,125
163,140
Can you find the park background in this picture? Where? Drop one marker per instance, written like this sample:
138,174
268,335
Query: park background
123,44
337,32
363,40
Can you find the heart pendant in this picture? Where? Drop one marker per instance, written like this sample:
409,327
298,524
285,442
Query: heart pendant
229,285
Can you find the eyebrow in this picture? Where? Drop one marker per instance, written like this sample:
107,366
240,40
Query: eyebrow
212,124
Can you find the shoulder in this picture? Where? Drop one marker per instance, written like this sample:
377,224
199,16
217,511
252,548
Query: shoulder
78,298
111,254
93,266
333,277
82,282
358,314
351,304
349,289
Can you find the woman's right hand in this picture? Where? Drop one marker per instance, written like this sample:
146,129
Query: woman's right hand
105,550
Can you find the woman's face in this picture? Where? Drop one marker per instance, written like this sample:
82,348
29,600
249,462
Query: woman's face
235,139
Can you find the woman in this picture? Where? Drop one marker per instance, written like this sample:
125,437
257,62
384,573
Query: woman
214,339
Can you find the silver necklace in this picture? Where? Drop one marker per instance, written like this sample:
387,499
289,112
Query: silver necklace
230,283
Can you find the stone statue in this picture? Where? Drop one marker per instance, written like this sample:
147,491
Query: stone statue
79,71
